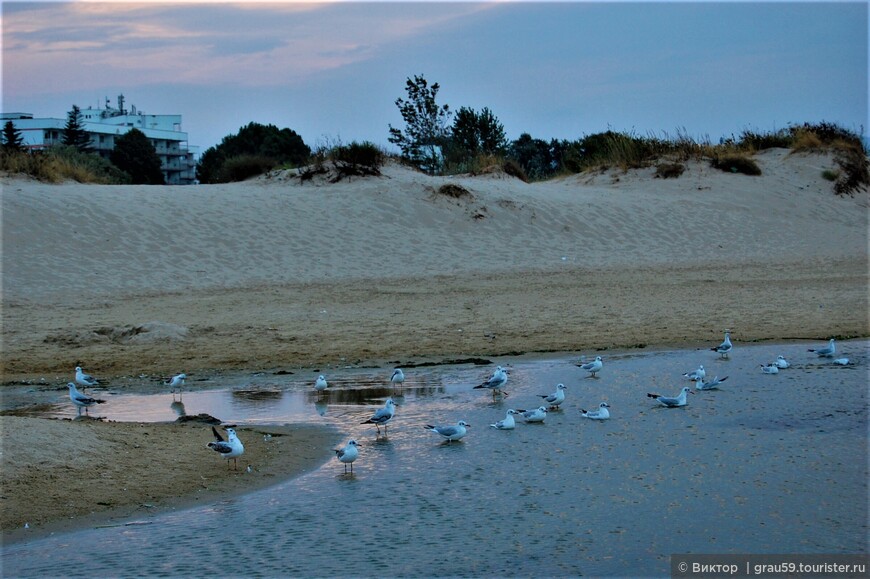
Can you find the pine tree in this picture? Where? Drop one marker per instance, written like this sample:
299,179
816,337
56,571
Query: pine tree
12,139
74,132
135,155
426,129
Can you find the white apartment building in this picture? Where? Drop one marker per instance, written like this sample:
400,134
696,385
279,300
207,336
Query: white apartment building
104,125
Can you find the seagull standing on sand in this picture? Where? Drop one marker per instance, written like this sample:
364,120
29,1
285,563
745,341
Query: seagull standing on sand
451,431
601,414
781,363
83,379
724,349
826,352
320,384
535,415
508,422
698,374
383,416
556,398
593,367
232,448
496,382
769,369
711,385
347,454
81,400
398,378
675,401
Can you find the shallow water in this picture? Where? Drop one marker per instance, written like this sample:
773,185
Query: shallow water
766,464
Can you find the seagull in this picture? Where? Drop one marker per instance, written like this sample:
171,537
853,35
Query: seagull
451,431
83,379
711,385
698,374
496,382
232,448
508,423
769,369
601,414
348,454
826,352
593,366
176,382
781,363
81,400
535,415
556,398
383,416
320,384
841,361
724,349
673,402
398,377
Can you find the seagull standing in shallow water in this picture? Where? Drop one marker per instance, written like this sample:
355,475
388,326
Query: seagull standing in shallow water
724,349
496,382
348,454
593,367
451,431
556,398
601,414
81,400
83,379
320,384
826,352
398,378
231,448
383,416
675,401
508,422
176,382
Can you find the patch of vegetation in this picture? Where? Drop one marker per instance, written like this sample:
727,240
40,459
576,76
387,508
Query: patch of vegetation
830,175
736,163
242,167
254,146
454,191
62,163
669,170
337,161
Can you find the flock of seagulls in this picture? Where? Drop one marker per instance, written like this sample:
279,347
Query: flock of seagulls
231,448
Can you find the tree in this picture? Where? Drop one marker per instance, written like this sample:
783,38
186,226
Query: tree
477,133
74,133
534,156
426,125
12,139
135,155
260,146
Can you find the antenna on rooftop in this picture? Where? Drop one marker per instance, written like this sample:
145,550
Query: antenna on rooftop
121,103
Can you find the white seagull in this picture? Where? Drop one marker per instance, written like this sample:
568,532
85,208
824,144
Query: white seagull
781,363
232,448
176,382
347,454
83,379
841,361
320,384
826,352
81,400
673,402
724,349
508,423
383,416
601,414
535,415
556,398
496,382
698,374
769,369
711,385
593,367
451,431
398,377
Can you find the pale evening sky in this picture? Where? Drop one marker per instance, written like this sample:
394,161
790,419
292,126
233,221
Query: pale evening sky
554,70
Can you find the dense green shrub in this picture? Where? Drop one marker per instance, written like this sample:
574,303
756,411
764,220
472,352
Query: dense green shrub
243,167
735,163
62,163
135,155
283,146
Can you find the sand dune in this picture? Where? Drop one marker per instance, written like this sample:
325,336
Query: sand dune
310,273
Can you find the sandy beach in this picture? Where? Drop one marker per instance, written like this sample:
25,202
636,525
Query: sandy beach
273,274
